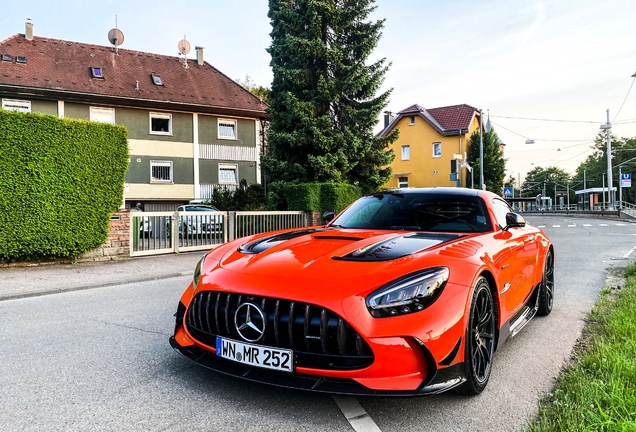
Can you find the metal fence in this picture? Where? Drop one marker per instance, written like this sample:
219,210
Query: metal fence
154,233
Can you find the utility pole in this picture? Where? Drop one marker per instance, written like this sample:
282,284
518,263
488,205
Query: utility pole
607,128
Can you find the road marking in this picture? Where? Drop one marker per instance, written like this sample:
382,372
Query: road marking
541,226
620,224
572,226
587,224
630,252
556,226
603,225
357,417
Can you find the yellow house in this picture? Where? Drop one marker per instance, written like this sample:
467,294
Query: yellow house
432,144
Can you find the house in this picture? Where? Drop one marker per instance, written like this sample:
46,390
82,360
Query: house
191,128
432,145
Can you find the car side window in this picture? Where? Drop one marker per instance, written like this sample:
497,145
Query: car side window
501,210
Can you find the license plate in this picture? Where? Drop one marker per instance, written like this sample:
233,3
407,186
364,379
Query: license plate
255,355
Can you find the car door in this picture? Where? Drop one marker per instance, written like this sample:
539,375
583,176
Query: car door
516,266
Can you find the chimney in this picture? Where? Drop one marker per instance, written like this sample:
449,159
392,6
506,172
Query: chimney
28,29
388,118
199,55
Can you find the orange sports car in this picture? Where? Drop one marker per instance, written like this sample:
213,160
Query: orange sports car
407,291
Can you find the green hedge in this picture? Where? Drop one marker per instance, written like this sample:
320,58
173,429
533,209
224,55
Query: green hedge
60,180
321,196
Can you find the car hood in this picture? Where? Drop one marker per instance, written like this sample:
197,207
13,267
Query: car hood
321,253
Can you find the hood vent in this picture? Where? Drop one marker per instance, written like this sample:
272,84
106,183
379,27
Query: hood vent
263,244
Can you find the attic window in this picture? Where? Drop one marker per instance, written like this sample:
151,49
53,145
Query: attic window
97,73
20,59
156,79
7,57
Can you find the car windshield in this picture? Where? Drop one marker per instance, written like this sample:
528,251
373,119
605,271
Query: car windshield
418,212
201,208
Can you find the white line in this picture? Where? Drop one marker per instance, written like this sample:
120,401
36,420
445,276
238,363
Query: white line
630,252
556,226
620,224
603,225
541,226
587,224
357,417
572,226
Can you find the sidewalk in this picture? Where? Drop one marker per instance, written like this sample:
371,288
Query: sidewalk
36,280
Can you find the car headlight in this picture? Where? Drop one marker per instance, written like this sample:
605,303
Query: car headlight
409,294
197,272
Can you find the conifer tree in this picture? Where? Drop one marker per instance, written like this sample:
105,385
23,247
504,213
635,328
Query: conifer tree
323,97
494,162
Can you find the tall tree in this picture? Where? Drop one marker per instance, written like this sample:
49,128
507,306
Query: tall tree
324,101
494,162
261,92
542,181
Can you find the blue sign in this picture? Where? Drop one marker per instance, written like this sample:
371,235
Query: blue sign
626,180
508,192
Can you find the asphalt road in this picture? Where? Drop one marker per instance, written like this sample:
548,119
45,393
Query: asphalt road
99,359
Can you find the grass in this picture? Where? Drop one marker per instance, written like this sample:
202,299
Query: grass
597,391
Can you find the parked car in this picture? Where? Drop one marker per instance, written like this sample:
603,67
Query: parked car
197,225
407,291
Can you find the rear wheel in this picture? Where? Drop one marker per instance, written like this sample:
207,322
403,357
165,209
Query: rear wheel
546,290
480,340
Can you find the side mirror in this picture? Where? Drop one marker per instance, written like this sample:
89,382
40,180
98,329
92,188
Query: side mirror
514,220
328,216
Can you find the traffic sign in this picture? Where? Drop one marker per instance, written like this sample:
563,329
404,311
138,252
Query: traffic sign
508,192
626,180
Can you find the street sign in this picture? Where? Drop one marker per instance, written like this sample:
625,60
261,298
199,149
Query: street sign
457,156
626,180
508,192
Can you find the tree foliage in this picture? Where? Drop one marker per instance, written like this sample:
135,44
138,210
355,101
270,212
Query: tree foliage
323,98
494,162
261,92
542,181
244,198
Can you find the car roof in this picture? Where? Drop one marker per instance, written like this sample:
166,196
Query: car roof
437,191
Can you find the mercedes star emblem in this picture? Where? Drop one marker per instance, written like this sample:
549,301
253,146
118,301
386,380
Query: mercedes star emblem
249,320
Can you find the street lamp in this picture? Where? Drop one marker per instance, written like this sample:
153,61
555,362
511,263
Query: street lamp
529,141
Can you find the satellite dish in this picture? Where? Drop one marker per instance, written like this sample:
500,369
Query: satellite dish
115,37
184,47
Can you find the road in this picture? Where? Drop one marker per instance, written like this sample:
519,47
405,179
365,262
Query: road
99,359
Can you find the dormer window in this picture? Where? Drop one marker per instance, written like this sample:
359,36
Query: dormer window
20,59
7,57
97,73
156,79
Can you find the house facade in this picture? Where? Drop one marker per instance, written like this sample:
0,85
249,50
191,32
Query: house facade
431,146
191,128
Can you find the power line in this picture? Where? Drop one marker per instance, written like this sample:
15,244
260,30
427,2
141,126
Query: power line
548,120
624,100
540,139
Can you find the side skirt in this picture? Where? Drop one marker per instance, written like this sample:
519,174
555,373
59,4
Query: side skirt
514,325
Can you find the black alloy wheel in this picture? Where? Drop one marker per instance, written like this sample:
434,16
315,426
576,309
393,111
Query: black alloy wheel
480,340
546,290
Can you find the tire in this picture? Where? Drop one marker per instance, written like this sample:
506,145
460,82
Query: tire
480,340
546,290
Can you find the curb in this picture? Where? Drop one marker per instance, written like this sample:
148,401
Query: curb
6,297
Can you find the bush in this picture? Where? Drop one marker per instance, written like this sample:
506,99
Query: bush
321,197
60,180
244,198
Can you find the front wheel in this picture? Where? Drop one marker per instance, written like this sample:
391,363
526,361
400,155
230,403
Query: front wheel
546,290
480,340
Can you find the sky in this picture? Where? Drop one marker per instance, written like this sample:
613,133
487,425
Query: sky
563,60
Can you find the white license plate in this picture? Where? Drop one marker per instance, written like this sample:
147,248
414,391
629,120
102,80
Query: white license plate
255,355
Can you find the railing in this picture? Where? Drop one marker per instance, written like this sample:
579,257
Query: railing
154,233
254,222
206,190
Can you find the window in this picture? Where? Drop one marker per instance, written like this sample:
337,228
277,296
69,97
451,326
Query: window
97,73
156,79
403,182
103,115
406,152
160,124
7,57
501,210
16,105
227,129
160,171
411,120
437,150
20,59
228,174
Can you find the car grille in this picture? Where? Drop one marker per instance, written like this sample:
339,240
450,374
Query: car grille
319,338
